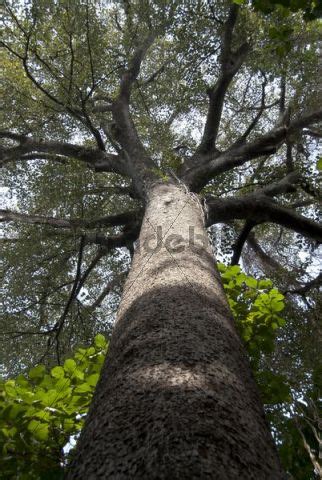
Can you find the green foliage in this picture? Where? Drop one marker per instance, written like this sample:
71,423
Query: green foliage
311,9
293,455
319,164
40,265
40,412
281,38
257,308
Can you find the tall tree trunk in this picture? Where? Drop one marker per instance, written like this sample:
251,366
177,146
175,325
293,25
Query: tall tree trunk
176,399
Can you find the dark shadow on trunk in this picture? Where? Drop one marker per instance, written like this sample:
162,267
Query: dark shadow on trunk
176,399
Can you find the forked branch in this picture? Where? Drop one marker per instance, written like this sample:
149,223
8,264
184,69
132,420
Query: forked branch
230,63
237,156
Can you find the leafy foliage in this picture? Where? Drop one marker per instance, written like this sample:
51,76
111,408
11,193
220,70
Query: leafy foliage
40,413
311,9
257,308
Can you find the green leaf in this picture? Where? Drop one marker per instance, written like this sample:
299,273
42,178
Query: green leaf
57,372
100,341
10,389
319,164
37,372
69,365
69,424
251,282
62,384
48,398
43,415
92,379
38,429
22,381
16,410
77,374
281,322
83,388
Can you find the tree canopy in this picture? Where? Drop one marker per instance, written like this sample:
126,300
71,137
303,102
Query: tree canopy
220,96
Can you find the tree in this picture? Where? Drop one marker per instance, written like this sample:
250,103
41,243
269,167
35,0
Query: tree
105,100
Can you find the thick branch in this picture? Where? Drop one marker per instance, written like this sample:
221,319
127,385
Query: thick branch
259,208
266,144
285,185
231,62
228,33
241,240
313,132
124,130
108,221
96,159
131,74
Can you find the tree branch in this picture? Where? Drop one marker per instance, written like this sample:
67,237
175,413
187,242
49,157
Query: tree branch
315,283
51,157
313,132
108,288
109,221
285,185
124,239
241,240
131,74
60,323
230,63
261,209
94,158
124,130
266,144
101,253
154,75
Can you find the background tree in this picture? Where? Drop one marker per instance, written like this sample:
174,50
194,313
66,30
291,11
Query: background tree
222,101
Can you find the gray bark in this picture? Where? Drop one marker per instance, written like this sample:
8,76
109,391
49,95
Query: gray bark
176,398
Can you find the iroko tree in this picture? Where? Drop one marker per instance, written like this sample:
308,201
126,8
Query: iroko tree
139,125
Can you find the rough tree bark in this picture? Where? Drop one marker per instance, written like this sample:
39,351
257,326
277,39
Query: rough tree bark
176,399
